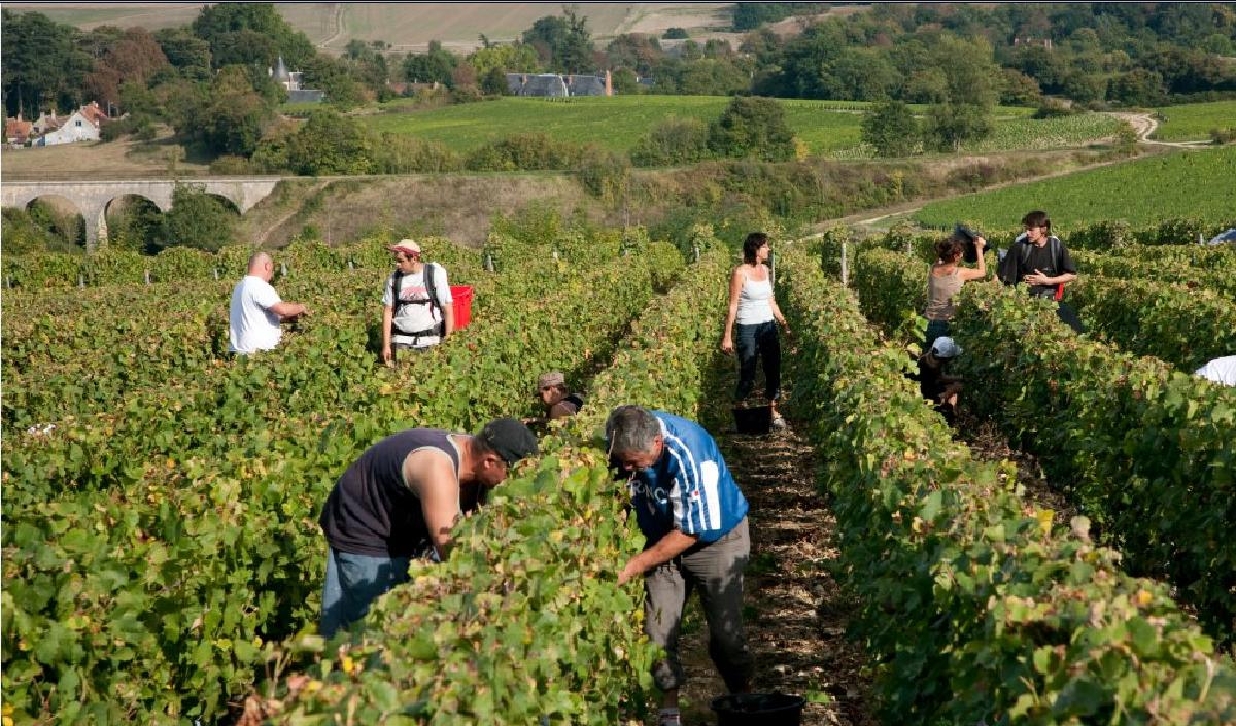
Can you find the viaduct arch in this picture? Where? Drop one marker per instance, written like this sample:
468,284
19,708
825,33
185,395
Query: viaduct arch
92,197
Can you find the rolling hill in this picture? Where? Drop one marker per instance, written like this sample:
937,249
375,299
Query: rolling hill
409,27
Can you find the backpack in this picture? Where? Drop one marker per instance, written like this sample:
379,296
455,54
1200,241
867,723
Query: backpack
1019,255
435,302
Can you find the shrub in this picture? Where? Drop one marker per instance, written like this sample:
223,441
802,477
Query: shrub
524,152
1220,137
673,141
1051,108
231,165
752,127
892,129
603,173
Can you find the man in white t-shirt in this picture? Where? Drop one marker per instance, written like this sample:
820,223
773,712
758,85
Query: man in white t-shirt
412,317
257,309
1220,370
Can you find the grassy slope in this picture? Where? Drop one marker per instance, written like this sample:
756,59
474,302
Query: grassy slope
617,123
1179,184
1194,120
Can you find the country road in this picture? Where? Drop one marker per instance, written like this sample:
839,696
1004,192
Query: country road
339,7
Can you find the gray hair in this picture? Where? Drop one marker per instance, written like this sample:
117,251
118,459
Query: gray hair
631,429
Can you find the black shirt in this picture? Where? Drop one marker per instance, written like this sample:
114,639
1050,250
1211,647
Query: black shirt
371,511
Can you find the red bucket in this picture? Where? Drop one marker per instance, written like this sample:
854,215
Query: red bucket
461,297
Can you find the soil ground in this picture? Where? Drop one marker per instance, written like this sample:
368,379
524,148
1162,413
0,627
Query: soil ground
796,613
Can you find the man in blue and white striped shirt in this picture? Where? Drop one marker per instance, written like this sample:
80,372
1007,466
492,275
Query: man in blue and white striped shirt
694,520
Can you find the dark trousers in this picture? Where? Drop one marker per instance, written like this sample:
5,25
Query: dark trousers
935,329
758,341
715,571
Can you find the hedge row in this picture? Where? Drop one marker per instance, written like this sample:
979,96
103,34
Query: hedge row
525,622
181,264
1147,450
977,606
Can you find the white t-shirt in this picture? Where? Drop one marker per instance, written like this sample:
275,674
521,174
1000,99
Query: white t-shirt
1220,370
254,326
420,315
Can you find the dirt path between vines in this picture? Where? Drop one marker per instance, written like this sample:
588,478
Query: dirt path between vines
796,613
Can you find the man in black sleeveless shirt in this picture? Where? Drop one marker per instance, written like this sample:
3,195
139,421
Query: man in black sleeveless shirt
399,500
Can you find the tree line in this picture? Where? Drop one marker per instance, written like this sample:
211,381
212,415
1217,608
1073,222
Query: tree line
1095,54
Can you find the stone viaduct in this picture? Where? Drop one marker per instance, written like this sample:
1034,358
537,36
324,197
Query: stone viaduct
92,197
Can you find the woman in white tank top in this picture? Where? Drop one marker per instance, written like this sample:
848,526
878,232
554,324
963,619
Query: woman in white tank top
753,306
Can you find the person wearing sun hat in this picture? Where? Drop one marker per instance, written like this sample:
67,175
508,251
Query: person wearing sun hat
417,311
936,386
556,397
399,501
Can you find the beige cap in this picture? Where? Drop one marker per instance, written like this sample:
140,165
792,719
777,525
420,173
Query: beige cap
406,246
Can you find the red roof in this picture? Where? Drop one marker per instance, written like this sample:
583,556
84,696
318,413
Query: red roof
93,113
16,128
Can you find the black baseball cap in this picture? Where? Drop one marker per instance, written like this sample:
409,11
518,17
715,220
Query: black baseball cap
510,439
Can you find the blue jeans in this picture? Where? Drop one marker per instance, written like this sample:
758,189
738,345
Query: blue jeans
935,329
758,341
353,582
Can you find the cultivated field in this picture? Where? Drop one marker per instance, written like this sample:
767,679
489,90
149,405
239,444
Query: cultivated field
1194,120
828,128
1182,184
409,26
88,16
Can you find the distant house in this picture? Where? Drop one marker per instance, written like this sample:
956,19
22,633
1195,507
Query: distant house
552,85
46,123
291,82
95,113
590,85
83,124
1041,42
17,130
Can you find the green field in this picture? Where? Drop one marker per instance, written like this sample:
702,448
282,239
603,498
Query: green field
616,123
1181,184
828,128
1194,120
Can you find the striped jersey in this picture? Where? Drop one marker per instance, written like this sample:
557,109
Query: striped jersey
688,488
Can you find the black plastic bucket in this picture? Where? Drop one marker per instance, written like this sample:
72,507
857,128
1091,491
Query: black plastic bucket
759,709
754,420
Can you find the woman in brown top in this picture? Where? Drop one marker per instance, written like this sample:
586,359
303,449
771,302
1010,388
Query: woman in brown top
944,281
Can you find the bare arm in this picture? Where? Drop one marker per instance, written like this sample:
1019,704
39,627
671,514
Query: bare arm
776,311
430,474
287,310
727,341
388,315
666,549
980,272
448,317
1038,278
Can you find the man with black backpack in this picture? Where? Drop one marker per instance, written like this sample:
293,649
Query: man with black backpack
1039,259
417,310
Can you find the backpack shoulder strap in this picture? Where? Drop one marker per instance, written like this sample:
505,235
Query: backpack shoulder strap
431,286
1023,251
396,279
